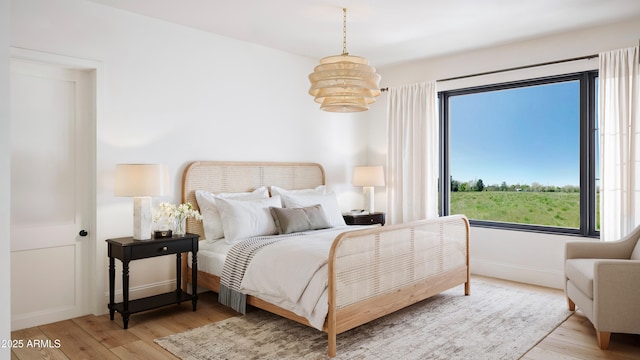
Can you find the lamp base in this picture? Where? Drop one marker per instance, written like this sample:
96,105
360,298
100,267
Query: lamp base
142,217
368,194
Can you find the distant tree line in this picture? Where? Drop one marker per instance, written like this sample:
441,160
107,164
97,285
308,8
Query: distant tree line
478,185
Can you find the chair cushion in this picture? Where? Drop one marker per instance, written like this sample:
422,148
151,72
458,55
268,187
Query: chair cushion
635,255
580,273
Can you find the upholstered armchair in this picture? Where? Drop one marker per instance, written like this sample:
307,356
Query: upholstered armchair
603,280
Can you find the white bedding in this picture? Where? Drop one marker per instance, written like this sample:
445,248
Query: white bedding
211,255
291,273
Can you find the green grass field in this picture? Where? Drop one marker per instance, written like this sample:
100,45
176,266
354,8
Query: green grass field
536,208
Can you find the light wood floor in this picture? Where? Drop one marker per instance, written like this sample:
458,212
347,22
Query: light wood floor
97,337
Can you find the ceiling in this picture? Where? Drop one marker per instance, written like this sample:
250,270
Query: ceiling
385,32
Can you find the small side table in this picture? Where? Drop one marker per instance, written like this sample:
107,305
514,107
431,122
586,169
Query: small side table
127,249
364,219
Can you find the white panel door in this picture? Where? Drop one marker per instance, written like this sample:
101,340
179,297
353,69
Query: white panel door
50,198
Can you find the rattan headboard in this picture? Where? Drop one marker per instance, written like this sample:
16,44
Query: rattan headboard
222,177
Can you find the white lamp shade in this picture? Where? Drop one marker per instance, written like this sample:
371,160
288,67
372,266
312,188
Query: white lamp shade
141,180
368,176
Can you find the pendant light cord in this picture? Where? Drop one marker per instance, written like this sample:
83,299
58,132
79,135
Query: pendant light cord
344,31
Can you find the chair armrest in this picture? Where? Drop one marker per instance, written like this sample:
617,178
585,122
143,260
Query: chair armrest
616,295
620,249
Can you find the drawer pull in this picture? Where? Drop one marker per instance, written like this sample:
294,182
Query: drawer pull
164,248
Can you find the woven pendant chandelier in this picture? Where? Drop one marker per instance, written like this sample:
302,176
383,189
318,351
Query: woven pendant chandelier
344,83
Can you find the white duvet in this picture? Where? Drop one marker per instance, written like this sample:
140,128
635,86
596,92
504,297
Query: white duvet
292,274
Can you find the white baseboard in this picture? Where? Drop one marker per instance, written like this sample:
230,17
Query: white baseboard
528,275
41,317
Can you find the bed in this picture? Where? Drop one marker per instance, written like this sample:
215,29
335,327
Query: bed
371,272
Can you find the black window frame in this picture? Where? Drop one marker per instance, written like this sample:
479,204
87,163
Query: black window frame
588,177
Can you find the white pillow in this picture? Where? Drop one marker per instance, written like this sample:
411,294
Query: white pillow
319,190
244,219
211,216
328,201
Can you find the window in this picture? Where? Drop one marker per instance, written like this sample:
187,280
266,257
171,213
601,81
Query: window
523,155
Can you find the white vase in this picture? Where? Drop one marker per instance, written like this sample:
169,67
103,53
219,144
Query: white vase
180,226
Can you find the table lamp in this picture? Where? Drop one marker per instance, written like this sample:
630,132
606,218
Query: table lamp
368,177
141,181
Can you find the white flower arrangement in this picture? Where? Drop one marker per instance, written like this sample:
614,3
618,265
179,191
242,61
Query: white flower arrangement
171,212
176,215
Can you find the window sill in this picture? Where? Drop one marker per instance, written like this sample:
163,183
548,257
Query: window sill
531,228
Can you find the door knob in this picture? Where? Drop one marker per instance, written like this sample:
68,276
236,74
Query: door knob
83,233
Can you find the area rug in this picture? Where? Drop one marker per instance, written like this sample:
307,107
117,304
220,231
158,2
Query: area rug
495,322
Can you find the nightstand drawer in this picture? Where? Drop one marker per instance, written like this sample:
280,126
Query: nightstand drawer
161,248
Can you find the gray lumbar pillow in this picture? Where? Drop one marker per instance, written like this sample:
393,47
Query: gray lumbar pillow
290,220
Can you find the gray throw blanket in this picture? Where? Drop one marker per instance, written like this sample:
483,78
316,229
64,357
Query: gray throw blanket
236,264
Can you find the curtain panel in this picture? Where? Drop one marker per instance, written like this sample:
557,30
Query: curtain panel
619,127
412,160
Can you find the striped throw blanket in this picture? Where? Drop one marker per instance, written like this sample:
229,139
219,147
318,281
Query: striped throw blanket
235,265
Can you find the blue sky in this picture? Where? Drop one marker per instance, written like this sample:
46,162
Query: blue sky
521,135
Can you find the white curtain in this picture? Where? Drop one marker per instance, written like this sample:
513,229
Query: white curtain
412,160
619,126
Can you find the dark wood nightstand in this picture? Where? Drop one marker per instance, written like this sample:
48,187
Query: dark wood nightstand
127,249
364,219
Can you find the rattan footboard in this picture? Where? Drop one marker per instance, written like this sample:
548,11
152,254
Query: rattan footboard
372,272
375,272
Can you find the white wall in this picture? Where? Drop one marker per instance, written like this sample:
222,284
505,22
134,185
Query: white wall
5,278
173,94
520,256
